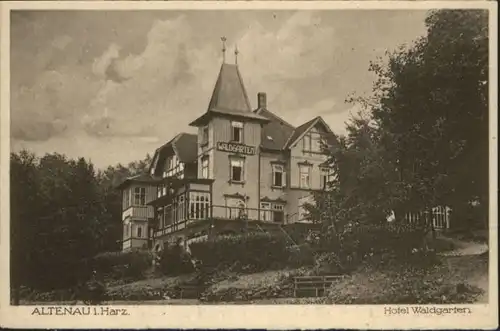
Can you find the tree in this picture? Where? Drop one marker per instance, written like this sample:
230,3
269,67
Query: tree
62,214
24,193
430,107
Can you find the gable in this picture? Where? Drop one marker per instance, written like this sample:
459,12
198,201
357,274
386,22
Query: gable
316,126
183,146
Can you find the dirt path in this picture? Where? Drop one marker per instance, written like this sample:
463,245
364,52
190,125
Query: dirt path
469,261
466,248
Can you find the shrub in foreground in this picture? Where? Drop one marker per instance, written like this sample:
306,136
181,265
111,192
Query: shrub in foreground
120,265
174,260
252,252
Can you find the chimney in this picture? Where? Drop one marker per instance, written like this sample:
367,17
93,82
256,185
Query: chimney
262,100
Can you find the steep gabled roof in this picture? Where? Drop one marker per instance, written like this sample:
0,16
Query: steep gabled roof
184,145
301,130
298,132
276,132
229,97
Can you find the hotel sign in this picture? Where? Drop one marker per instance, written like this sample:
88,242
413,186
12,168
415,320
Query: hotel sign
235,148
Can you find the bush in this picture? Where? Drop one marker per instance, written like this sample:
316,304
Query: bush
120,265
175,261
359,242
248,253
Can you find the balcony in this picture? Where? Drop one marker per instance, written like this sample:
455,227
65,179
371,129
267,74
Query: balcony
138,212
196,216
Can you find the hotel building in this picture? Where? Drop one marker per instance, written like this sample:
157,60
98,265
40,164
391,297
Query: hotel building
244,169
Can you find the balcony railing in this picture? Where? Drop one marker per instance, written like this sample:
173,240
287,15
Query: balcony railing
138,212
225,213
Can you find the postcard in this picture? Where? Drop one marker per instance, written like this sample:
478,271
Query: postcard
277,165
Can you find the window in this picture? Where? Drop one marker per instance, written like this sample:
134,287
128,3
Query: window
315,142
237,132
167,215
272,212
161,190
160,218
182,208
237,166
265,213
125,230
139,196
278,213
305,176
170,163
325,177
312,142
175,216
204,135
199,205
204,167
126,199
307,142
139,232
278,175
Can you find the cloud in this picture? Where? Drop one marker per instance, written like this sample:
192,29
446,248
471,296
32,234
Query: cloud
61,42
160,84
106,126
51,106
29,130
114,84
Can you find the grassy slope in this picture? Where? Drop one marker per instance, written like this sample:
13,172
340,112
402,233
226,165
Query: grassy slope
365,287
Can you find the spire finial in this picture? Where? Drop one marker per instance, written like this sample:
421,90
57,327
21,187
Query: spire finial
236,52
223,49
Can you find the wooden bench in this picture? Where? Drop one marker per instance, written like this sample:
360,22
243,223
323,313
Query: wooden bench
316,285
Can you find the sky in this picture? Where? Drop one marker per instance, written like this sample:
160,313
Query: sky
114,86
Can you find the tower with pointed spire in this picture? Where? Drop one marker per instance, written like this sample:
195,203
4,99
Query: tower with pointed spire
229,134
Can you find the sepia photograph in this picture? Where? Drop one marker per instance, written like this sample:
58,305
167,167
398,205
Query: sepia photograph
192,157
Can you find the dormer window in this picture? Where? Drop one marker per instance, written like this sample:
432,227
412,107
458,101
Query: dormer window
237,132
